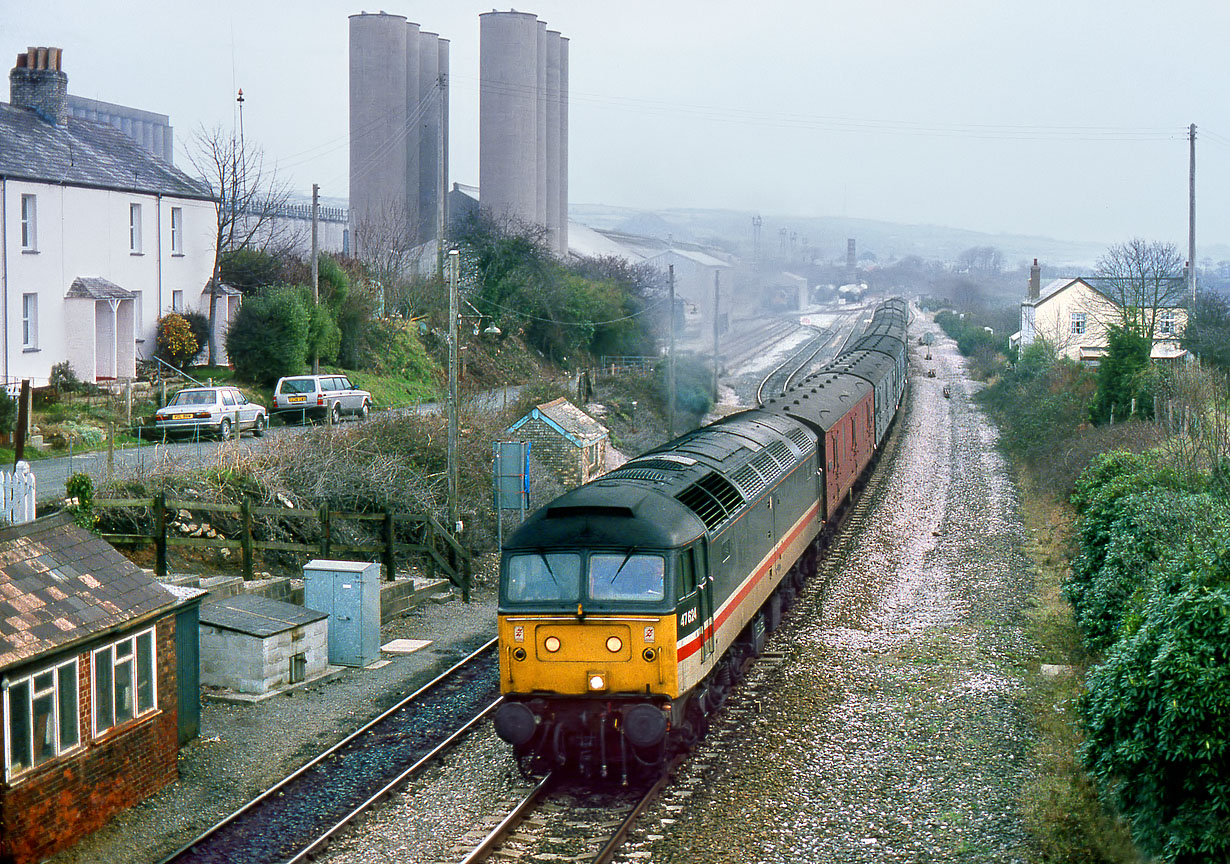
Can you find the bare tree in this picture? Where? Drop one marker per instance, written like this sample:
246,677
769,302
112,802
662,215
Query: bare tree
384,243
1144,279
981,259
247,199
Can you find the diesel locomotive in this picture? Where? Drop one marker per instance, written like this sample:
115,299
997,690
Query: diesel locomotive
628,606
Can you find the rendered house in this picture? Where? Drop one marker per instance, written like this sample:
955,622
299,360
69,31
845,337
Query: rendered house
1073,314
91,663
100,237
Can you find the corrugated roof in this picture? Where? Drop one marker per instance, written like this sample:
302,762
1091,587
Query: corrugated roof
82,153
60,584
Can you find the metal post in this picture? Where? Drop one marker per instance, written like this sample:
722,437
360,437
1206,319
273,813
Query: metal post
245,511
160,533
716,289
1191,215
670,361
315,268
454,263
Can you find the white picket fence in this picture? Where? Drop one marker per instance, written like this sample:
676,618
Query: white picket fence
17,494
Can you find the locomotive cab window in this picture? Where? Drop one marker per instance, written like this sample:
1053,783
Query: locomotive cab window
687,572
625,576
543,577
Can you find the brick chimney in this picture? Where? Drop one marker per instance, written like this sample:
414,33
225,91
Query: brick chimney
1035,281
37,83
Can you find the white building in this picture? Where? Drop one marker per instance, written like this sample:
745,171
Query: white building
100,237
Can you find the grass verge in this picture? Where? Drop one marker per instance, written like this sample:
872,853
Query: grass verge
1061,805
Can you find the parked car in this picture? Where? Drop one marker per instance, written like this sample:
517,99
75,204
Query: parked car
300,397
210,410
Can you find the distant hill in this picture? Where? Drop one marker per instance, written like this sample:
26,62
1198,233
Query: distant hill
826,236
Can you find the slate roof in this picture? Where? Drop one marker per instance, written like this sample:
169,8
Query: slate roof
98,288
567,419
83,153
256,615
60,584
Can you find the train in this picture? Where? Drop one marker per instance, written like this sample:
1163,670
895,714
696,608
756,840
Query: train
629,606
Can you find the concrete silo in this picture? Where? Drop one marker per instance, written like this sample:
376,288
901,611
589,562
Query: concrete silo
563,145
379,143
553,139
523,111
442,190
428,134
508,116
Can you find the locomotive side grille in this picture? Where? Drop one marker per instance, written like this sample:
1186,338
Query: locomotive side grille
749,480
713,498
798,436
782,454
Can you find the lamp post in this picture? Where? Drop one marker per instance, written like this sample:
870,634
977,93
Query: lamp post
454,319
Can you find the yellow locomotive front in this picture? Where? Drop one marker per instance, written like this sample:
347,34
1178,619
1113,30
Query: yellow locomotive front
587,628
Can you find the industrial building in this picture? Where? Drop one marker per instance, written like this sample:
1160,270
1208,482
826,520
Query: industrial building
398,132
523,123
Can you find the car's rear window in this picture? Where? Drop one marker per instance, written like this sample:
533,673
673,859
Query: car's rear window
194,397
298,385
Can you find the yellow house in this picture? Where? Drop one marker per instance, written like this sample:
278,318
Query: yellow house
1073,314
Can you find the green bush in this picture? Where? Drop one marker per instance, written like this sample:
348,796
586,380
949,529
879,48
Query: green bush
268,338
198,322
176,343
1157,716
250,270
693,384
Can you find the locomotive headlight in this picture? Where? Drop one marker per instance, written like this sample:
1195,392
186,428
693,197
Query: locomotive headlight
551,643
597,681
614,644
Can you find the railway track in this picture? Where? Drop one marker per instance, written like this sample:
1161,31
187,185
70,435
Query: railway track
798,364
296,817
558,821
753,339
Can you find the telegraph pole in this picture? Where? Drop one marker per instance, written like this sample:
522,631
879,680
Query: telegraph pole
670,362
454,266
1191,213
315,268
716,283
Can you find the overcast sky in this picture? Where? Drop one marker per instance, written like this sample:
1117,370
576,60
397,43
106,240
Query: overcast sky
1061,118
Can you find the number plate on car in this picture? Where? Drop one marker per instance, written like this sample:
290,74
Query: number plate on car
181,416
296,399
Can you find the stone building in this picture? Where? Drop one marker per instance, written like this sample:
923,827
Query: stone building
253,644
88,655
565,439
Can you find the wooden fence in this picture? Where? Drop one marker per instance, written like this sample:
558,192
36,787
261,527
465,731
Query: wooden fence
440,549
18,491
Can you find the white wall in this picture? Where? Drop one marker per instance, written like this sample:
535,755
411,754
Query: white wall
85,232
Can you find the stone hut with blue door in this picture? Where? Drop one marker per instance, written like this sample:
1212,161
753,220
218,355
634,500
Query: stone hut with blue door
95,702
570,443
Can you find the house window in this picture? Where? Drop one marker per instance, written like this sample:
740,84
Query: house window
177,300
1078,323
29,321
29,223
40,717
134,228
177,230
591,456
124,682
1166,323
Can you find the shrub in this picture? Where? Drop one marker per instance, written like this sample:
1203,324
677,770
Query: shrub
1157,715
175,342
8,412
268,338
63,379
198,322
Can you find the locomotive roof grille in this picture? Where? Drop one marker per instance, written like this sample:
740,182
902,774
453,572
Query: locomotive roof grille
713,498
798,436
750,481
781,453
661,464
637,473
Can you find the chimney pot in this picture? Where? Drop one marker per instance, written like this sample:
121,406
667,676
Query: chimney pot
37,84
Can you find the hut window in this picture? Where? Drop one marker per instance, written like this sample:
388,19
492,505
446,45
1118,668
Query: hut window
40,717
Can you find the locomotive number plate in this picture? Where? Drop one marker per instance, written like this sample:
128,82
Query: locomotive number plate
649,633
518,633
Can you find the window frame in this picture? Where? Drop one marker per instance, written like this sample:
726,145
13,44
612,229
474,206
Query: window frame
137,687
1167,322
54,721
29,222
134,228
29,321
177,230
177,300
1078,323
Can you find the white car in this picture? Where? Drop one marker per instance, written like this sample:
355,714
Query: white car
300,397
200,411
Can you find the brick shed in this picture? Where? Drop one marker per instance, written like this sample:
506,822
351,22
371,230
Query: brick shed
564,438
253,644
88,665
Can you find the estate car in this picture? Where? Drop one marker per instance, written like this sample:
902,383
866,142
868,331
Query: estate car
300,397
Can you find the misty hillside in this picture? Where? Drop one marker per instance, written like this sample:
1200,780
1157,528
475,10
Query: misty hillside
827,235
